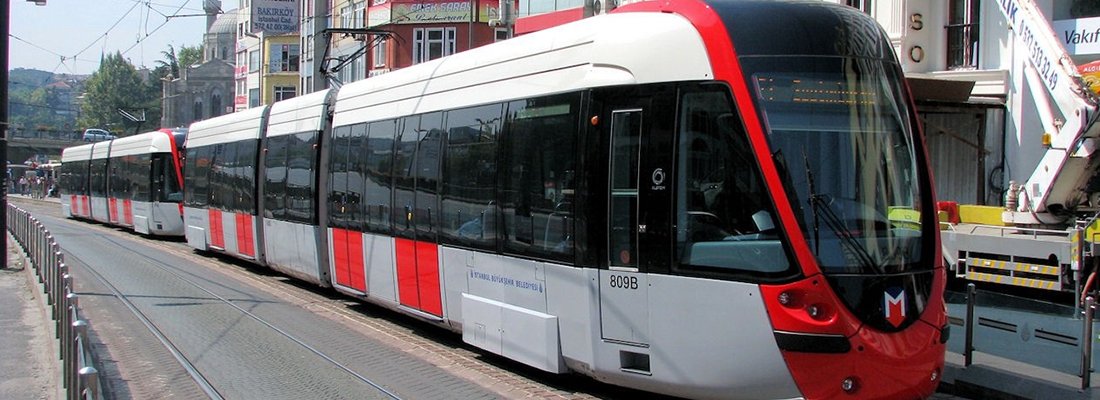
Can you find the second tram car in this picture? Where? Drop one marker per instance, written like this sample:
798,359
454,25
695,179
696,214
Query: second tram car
134,182
707,199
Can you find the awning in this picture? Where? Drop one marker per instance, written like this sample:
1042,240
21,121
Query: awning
946,90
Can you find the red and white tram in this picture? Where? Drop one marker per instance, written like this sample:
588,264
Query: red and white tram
134,182
708,199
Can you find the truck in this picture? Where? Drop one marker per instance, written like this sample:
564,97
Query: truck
1013,137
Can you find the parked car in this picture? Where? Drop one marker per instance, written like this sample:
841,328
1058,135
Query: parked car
97,135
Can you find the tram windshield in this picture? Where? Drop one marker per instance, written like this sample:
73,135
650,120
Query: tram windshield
838,132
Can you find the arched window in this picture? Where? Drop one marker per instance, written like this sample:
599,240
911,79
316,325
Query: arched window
196,111
215,105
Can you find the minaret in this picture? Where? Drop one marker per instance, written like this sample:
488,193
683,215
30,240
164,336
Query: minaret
212,8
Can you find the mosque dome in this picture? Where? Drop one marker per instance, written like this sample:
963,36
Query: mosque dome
226,23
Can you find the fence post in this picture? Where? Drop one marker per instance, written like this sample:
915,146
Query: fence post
89,383
968,350
1086,342
80,330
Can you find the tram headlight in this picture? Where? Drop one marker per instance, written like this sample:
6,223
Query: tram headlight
785,298
849,385
814,311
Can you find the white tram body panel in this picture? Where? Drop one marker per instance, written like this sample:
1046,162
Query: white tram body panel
76,205
147,217
511,306
555,317
589,53
296,248
100,210
232,233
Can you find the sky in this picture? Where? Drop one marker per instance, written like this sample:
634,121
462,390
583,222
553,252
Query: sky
68,36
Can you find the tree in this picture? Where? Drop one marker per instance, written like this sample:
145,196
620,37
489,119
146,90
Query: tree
189,55
115,85
170,63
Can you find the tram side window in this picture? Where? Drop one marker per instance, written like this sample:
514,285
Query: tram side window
538,176
469,209
275,177
357,148
404,168
222,190
244,176
426,175
119,178
98,180
725,218
301,184
339,215
378,159
197,174
141,178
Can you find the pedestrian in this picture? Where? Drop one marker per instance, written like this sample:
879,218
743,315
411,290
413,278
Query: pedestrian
23,185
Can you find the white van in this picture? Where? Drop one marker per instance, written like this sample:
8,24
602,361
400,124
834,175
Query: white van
97,135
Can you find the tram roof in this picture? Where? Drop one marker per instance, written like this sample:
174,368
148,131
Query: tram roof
76,153
300,114
145,143
227,128
613,49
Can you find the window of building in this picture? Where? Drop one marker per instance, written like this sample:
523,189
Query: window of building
351,15
308,45
253,97
242,60
254,61
216,105
862,5
432,43
378,54
285,92
284,58
962,34
196,110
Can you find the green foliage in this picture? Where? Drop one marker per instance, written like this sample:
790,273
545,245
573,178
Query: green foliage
33,105
189,55
117,85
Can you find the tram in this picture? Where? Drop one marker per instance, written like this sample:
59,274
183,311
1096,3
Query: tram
134,182
700,198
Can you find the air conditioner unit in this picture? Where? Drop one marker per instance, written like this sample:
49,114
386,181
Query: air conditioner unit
600,7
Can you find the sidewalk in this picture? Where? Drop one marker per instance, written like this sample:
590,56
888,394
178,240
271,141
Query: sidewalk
29,365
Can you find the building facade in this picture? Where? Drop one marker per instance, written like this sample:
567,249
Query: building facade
267,52
204,90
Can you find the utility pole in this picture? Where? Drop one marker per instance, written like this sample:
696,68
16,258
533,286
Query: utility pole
5,27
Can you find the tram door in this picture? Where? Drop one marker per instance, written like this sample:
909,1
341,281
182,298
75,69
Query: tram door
638,199
416,169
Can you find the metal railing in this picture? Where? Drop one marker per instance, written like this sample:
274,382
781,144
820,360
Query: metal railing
1041,337
79,376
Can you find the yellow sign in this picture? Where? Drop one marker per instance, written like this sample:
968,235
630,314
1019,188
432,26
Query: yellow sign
1090,73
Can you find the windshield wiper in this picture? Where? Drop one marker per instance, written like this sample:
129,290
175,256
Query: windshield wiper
835,224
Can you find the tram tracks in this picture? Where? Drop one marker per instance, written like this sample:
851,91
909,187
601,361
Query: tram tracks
376,325
183,360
